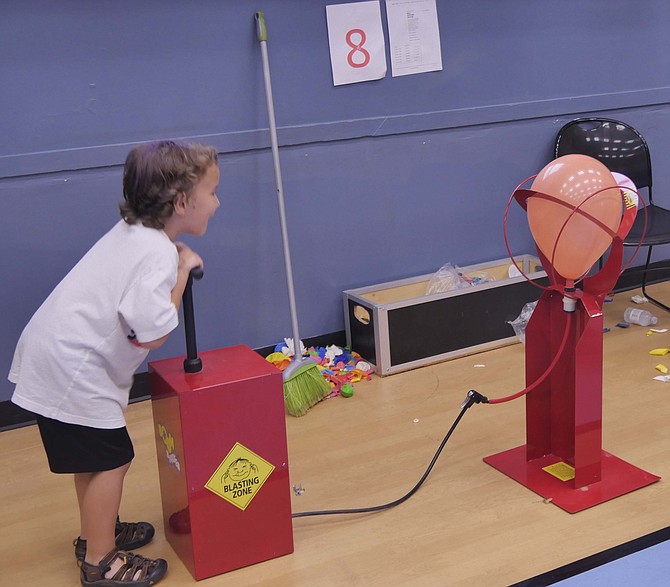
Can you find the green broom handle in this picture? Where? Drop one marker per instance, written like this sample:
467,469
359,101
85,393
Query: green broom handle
262,38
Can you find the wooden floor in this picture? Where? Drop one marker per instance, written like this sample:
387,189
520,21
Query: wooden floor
469,525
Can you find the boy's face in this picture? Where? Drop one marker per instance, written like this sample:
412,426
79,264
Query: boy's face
202,203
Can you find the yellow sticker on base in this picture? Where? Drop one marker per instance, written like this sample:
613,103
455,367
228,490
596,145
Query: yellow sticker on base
240,476
561,471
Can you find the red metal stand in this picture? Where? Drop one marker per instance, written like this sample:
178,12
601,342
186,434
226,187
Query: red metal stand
222,460
564,412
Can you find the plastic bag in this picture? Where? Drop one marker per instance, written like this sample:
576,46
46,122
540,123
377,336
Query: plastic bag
447,278
519,324
450,277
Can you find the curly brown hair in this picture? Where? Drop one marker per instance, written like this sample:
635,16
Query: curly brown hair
155,173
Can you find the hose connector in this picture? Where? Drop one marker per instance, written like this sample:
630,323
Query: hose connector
569,304
473,397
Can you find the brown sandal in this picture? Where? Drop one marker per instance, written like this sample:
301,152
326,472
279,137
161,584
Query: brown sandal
135,571
129,536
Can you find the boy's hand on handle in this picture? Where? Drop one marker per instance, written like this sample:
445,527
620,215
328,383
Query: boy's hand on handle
188,259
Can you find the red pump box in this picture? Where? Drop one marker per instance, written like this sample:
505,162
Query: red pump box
222,460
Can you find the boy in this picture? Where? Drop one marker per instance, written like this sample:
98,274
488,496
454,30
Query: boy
74,363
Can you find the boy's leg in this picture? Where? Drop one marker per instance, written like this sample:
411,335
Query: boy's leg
99,496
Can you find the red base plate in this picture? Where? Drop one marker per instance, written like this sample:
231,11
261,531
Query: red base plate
618,478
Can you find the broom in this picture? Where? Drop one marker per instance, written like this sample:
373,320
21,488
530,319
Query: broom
304,385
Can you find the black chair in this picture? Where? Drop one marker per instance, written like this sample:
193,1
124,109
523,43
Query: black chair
621,148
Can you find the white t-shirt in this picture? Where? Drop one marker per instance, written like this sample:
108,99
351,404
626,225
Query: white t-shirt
74,361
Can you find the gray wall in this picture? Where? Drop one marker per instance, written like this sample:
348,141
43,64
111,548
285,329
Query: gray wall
383,180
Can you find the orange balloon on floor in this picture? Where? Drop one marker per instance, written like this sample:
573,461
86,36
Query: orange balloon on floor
571,180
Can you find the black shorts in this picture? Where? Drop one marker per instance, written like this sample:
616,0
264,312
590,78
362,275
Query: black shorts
72,448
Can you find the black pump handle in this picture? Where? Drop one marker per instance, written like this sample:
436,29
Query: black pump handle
192,363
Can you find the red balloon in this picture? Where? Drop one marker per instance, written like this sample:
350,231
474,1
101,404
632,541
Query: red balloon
573,243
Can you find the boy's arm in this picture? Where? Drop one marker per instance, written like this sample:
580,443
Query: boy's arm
187,260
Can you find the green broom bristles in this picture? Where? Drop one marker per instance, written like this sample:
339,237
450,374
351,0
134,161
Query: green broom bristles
304,387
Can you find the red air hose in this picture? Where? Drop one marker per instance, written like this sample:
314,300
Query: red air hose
532,386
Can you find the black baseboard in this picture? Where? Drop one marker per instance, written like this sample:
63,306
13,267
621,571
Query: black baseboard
12,416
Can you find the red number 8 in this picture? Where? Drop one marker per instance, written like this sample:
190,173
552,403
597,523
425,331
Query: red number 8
357,48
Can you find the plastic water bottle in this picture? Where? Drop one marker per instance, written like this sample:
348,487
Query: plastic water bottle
639,316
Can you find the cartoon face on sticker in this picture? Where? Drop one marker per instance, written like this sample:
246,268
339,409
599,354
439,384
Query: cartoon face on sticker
239,470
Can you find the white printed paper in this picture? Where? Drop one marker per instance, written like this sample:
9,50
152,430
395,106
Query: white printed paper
414,35
356,39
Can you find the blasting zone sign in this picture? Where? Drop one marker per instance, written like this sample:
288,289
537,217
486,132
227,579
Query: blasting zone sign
240,476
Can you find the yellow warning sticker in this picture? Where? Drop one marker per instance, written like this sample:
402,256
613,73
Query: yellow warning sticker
561,471
240,476
630,198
